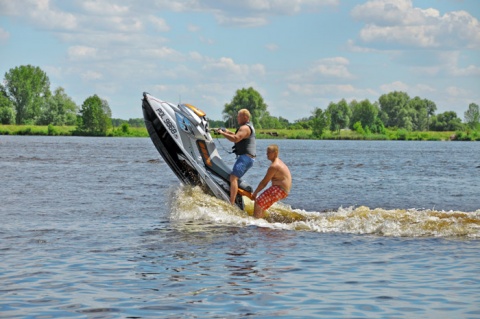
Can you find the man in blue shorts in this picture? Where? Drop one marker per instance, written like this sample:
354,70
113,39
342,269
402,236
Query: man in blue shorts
245,148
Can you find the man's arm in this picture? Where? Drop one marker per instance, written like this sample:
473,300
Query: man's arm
268,177
243,133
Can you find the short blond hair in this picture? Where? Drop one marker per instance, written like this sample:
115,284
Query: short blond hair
273,148
245,112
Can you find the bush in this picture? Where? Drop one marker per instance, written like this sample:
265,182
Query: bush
52,130
357,127
125,128
402,135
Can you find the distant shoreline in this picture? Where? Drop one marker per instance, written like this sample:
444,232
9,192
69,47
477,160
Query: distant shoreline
300,134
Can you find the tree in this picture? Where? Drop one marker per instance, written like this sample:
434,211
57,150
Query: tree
27,87
365,113
248,99
393,107
95,116
418,113
340,115
472,116
59,109
431,108
7,112
305,123
319,122
447,121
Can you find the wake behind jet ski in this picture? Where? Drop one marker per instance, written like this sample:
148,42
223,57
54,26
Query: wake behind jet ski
181,135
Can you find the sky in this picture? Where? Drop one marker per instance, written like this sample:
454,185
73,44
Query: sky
298,54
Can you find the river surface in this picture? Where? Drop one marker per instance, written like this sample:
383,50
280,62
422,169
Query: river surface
101,228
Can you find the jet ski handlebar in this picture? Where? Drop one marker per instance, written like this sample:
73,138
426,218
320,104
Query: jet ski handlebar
217,130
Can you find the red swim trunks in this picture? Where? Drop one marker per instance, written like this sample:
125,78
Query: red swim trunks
270,196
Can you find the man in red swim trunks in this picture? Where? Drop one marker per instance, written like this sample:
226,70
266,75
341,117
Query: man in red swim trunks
281,179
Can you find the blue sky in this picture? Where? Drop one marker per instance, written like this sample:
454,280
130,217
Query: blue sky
299,54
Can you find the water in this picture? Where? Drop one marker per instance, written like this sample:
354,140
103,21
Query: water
101,228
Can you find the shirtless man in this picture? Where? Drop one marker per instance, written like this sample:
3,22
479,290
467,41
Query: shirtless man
281,179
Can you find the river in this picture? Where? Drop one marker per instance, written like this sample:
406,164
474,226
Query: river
101,228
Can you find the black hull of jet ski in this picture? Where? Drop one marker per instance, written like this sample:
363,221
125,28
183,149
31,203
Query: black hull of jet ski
183,140
167,148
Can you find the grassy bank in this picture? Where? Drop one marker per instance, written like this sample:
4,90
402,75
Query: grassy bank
261,133
395,135
52,130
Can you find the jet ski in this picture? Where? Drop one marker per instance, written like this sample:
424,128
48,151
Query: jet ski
181,134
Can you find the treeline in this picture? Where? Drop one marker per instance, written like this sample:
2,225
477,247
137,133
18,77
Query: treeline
26,99
395,110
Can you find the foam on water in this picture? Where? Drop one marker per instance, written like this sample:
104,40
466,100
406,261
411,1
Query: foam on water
192,204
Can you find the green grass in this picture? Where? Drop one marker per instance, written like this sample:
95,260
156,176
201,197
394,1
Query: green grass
261,133
36,130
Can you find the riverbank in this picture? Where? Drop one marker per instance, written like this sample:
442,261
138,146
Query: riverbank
303,134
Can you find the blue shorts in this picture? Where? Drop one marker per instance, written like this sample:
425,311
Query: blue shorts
243,163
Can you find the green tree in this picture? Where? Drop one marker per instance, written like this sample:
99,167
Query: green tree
95,116
27,87
357,127
365,113
472,116
340,114
303,123
138,122
447,121
319,122
248,99
59,109
418,113
271,122
431,108
7,112
394,110
378,126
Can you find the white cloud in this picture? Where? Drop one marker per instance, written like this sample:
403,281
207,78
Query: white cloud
394,86
425,88
331,68
454,91
254,13
247,22
103,8
228,67
195,56
397,22
193,28
272,47
177,5
159,23
79,52
120,24
324,89
91,75
4,35
41,12
272,7
207,40
450,63
426,70
165,53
